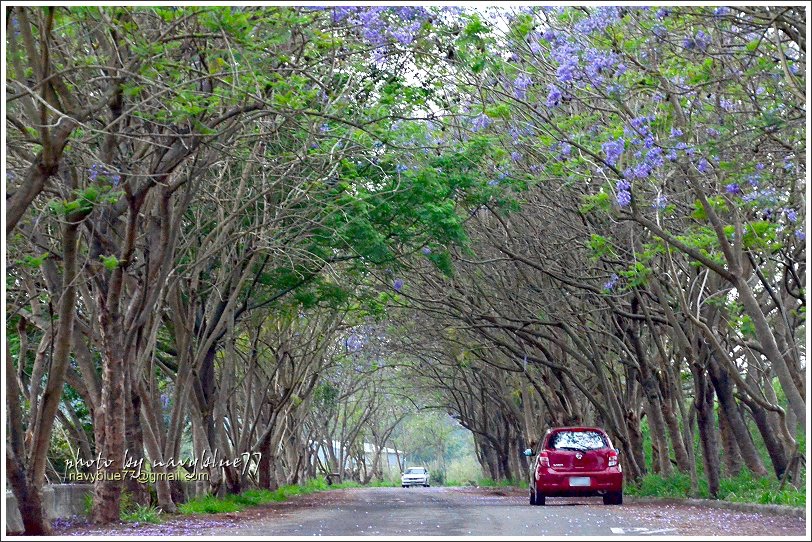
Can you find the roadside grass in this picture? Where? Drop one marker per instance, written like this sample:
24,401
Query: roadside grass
210,504
490,482
142,514
384,483
131,512
742,488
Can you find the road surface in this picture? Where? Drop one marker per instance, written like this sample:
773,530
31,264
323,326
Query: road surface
461,512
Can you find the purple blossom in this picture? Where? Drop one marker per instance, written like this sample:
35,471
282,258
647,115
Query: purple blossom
676,132
520,86
565,149
672,155
688,42
800,235
600,63
426,251
712,132
567,57
703,166
753,179
733,188
598,20
515,156
638,171
659,202
792,216
759,166
763,196
702,40
93,172
398,285
613,149
662,13
623,186
535,47
341,13
720,11
624,198
554,97
481,122
610,284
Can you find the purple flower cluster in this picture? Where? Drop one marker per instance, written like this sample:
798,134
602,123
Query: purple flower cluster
702,40
764,196
600,63
733,188
660,201
598,20
398,285
554,97
624,194
378,27
610,284
520,86
481,122
95,170
566,55
613,149
703,166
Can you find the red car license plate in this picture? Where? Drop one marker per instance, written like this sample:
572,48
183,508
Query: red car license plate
579,481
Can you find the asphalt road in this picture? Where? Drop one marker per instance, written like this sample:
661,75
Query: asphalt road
464,512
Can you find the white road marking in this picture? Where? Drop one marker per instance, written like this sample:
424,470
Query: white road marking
640,530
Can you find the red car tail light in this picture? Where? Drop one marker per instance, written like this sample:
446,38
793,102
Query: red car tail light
544,461
613,459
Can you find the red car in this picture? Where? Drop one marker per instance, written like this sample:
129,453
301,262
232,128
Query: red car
576,462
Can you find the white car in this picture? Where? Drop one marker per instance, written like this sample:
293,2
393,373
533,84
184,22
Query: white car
415,476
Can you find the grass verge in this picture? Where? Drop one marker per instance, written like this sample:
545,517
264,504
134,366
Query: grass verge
742,488
254,497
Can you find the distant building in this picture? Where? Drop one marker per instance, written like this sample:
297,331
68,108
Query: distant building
389,460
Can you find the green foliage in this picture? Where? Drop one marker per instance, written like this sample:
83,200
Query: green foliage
255,497
596,202
743,488
490,482
110,262
142,514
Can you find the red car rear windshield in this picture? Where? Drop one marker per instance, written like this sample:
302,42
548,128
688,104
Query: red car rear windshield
576,440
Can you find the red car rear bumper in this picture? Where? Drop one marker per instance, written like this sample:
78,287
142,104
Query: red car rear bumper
557,483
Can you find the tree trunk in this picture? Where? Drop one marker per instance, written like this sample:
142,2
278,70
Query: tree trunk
731,456
29,499
703,403
107,494
727,402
